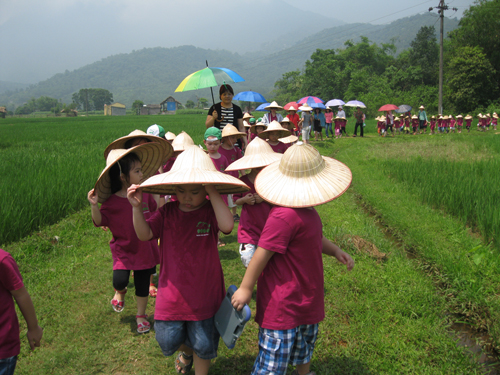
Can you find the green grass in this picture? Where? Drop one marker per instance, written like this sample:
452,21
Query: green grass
391,314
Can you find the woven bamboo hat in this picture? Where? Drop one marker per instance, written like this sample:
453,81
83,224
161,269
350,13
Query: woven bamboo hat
193,166
303,178
257,154
495,115
182,141
275,126
381,118
231,130
151,154
120,142
468,117
273,105
290,139
377,118
460,116
247,115
170,136
421,107
305,107
445,117
292,108
253,128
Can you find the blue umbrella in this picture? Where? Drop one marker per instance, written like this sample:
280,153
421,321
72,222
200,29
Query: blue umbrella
355,103
403,108
317,105
334,103
262,106
250,96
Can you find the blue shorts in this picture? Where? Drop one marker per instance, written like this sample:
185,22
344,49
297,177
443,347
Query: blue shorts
201,336
278,348
8,365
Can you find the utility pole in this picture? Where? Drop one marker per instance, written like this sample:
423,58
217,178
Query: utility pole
441,8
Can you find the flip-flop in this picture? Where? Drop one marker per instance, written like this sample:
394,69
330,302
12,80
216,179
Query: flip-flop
143,327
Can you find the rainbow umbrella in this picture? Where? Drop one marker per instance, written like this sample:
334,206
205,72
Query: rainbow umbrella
208,77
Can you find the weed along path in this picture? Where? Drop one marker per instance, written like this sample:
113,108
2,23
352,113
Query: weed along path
390,315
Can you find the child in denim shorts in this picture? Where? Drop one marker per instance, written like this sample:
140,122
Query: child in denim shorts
288,261
191,283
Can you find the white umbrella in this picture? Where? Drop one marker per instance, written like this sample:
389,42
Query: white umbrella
334,103
355,103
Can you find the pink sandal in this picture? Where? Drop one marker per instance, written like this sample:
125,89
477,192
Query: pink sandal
118,305
143,327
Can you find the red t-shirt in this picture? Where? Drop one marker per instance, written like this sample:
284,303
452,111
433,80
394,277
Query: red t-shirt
10,279
191,283
338,123
294,119
128,252
414,122
221,164
280,148
168,165
468,122
253,217
290,289
452,123
231,156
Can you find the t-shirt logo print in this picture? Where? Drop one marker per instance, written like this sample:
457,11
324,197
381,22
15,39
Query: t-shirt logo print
202,229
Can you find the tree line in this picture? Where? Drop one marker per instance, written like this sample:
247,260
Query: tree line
373,74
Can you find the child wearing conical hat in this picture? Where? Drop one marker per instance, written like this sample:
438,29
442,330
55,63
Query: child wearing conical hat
254,210
191,284
256,129
230,150
294,119
453,122
468,122
432,125
407,124
123,169
459,123
415,123
488,121
381,125
494,120
288,264
397,124
273,133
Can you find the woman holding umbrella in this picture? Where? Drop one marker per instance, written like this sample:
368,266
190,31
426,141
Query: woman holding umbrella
225,112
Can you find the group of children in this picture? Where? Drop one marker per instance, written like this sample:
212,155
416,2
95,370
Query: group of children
166,201
412,124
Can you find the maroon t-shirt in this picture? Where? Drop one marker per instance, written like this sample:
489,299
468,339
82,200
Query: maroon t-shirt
231,156
128,252
10,279
191,283
221,164
253,217
280,148
290,290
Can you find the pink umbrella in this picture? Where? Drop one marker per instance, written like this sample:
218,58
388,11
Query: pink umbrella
388,107
291,104
309,100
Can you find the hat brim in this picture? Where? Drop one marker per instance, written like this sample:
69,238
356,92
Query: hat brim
165,183
290,139
254,161
152,156
120,142
269,107
289,191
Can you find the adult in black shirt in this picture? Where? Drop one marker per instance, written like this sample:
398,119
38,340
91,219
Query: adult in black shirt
225,112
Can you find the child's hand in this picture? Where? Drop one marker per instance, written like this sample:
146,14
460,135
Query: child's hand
346,259
258,198
92,197
241,297
210,189
249,199
134,195
34,336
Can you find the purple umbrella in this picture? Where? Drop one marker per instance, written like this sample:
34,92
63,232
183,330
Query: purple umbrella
355,103
334,103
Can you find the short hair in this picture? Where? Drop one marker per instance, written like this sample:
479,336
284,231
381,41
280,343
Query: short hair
124,165
225,88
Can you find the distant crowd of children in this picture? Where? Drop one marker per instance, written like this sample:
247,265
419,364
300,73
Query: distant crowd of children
166,203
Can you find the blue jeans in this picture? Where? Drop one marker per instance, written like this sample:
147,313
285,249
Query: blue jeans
329,126
8,365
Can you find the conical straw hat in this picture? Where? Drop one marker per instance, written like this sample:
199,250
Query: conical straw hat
170,136
305,107
253,128
257,154
273,105
303,178
193,166
290,139
292,108
151,154
182,141
247,115
120,142
273,127
468,117
232,130
460,116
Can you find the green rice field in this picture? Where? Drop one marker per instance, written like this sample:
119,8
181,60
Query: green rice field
420,219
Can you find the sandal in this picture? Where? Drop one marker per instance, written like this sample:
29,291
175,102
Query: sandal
143,327
183,367
118,305
153,292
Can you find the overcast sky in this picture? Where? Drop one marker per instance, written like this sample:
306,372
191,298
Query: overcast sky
43,37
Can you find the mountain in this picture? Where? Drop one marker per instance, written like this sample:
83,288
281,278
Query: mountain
152,74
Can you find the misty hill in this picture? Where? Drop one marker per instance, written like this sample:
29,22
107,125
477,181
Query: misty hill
152,74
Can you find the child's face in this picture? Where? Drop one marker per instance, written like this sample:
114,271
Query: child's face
212,145
259,129
135,175
191,197
273,136
230,140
